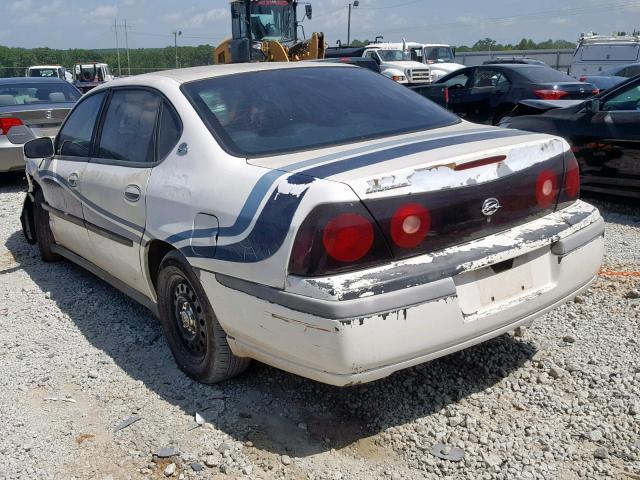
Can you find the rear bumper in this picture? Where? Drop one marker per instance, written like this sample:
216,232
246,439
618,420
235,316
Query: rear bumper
11,156
351,329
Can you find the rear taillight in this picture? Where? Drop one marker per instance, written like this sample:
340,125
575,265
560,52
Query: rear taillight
6,123
595,91
582,79
410,225
550,94
337,238
348,237
571,183
547,188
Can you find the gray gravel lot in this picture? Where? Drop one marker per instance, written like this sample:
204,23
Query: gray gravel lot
560,400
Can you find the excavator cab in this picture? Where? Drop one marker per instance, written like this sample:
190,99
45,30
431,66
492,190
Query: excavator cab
267,30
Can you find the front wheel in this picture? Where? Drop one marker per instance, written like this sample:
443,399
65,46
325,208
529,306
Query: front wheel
43,234
196,339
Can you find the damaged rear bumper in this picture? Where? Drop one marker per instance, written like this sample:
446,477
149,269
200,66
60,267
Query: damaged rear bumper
359,327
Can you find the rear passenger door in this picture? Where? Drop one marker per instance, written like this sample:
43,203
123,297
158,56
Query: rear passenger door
115,181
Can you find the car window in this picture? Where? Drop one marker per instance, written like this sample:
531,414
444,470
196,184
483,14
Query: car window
169,131
74,139
490,78
627,100
279,111
631,71
541,74
129,127
460,80
39,93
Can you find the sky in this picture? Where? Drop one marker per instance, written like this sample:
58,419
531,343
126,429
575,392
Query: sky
89,23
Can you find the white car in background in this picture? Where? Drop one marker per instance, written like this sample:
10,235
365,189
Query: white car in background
315,217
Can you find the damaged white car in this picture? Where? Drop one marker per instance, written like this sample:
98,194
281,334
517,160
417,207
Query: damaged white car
318,218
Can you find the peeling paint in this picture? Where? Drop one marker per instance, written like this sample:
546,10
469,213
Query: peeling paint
304,324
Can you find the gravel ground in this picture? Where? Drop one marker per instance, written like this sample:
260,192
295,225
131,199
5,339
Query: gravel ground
560,400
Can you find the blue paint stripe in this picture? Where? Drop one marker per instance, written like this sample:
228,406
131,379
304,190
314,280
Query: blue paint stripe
264,184
49,175
354,163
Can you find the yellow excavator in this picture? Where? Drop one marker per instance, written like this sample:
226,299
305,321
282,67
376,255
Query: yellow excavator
267,31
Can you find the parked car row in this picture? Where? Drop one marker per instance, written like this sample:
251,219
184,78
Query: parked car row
310,217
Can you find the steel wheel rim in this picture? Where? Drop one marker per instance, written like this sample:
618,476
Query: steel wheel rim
189,319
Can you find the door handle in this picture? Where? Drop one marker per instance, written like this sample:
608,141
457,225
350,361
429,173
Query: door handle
73,180
132,193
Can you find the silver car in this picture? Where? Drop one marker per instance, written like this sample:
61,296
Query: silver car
319,218
31,108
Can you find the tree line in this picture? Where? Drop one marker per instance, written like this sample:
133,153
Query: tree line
14,61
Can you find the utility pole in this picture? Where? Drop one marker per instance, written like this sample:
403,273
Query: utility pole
355,5
176,34
115,29
126,41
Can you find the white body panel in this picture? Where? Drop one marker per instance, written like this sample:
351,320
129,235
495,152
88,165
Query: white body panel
235,221
596,53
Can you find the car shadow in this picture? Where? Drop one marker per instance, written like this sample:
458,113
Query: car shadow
278,412
615,209
13,182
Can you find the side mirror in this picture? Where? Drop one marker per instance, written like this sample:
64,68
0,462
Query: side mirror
39,148
308,10
592,105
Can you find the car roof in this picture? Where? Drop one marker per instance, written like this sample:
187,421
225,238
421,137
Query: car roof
185,75
46,66
17,80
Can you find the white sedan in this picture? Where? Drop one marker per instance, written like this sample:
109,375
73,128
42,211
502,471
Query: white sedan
319,218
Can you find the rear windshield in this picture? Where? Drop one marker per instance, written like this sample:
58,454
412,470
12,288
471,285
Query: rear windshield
43,72
544,75
34,93
280,111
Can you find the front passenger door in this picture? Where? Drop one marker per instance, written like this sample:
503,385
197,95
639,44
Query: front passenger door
458,86
115,182
60,177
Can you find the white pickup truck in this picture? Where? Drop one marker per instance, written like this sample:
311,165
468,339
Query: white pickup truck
394,61
49,71
439,57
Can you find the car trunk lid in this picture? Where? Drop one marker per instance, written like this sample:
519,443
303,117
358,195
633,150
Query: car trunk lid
37,121
471,181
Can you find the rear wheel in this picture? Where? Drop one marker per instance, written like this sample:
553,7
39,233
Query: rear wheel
196,339
44,237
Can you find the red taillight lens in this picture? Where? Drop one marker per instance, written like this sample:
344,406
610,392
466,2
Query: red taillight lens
6,123
446,95
595,91
572,178
550,94
348,237
410,225
546,188
582,79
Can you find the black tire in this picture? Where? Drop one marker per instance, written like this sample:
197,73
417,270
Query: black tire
44,237
196,339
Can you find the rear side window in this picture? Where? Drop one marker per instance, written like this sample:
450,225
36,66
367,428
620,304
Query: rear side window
279,111
490,78
168,132
74,139
129,127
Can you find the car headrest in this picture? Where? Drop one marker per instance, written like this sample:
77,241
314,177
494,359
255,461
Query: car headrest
57,97
7,100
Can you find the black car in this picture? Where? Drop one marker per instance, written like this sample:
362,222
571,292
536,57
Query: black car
357,61
487,93
604,133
